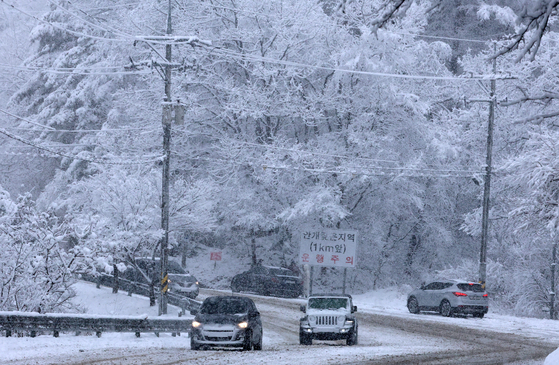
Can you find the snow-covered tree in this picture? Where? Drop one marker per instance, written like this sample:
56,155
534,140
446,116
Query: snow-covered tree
36,271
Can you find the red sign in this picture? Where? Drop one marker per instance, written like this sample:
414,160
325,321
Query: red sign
215,256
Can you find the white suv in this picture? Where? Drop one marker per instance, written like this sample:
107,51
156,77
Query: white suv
328,317
449,297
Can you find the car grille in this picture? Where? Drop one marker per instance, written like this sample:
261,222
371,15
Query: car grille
327,320
218,339
218,335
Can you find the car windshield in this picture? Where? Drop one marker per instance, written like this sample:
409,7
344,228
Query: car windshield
471,287
327,303
223,306
190,278
281,272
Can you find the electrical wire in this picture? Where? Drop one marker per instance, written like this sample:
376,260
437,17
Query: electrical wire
102,162
409,172
253,58
77,70
85,130
81,34
26,120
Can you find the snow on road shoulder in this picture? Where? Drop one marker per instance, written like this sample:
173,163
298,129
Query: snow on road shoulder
393,302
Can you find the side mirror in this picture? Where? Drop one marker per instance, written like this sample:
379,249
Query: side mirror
303,309
422,287
194,312
254,314
354,309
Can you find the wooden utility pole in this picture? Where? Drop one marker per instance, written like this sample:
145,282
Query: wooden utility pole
552,292
167,118
487,185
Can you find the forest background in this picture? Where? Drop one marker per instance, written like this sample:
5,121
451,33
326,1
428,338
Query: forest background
299,113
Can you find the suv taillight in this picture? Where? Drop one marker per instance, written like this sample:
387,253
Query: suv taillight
458,294
485,295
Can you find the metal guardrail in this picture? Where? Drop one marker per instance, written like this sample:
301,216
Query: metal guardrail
185,303
34,322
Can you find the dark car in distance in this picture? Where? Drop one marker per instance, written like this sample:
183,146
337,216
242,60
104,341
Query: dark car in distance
226,321
180,281
268,280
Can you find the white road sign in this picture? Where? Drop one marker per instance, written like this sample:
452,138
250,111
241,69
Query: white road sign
324,247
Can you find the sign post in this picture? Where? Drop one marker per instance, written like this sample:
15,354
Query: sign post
215,257
328,248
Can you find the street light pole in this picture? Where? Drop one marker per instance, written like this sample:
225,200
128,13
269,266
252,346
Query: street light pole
487,185
167,118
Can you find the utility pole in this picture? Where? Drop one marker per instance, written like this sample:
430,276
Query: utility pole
487,185
167,117
552,292
169,107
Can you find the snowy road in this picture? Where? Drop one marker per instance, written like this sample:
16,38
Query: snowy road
384,338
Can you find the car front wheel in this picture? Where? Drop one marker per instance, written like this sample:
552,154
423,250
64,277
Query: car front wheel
446,308
193,345
258,346
352,339
413,305
247,346
305,339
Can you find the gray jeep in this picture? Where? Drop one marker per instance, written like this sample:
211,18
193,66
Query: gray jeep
328,317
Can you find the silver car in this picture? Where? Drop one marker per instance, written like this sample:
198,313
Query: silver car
450,297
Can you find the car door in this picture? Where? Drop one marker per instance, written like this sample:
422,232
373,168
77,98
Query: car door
259,279
432,292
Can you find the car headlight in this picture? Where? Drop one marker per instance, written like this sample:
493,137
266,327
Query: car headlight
243,324
312,318
341,319
196,324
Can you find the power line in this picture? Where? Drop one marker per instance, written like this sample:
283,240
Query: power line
103,162
313,153
76,70
80,34
26,120
116,31
253,58
363,171
84,130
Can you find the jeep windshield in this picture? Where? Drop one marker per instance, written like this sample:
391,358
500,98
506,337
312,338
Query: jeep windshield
327,303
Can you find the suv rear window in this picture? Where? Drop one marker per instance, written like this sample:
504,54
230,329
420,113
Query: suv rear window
470,287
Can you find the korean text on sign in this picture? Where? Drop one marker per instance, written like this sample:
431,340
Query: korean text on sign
335,248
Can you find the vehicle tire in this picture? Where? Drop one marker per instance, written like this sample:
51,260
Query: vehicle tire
413,305
305,339
352,339
478,315
258,346
247,346
445,308
193,345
